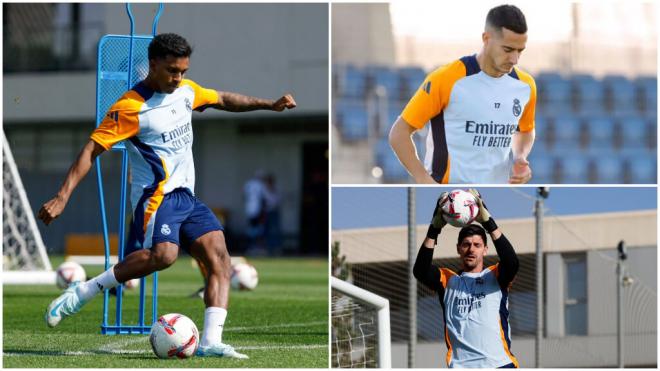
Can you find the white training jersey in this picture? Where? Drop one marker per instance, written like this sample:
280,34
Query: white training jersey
477,330
158,134
473,117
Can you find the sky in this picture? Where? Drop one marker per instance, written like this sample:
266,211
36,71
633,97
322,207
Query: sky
365,207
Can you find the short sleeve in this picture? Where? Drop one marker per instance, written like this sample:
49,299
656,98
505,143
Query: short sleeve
120,122
433,95
526,123
203,96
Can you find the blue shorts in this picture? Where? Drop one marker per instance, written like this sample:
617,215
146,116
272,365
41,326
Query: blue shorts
181,218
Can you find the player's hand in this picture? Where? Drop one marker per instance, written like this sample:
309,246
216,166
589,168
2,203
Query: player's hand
52,209
286,102
437,221
521,172
484,214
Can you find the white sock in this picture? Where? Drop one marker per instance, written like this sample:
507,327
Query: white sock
103,281
214,323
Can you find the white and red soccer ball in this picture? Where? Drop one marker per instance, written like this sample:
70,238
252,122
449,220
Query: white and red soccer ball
174,336
244,276
460,209
69,272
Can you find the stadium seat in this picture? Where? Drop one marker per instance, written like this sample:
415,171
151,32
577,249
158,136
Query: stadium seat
352,120
648,93
554,93
589,95
351,82
621,95
609,170
567,133
386,77
411,79
574,168
544,133
544,169
642,169
635,132
393,171
600,132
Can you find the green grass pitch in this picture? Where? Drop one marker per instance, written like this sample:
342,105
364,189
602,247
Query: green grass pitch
282,323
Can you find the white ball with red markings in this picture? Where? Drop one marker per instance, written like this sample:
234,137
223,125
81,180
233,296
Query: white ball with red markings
460,209
244,277
69,272
174,336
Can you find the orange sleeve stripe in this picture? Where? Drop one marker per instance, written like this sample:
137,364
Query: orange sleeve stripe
445,275
121,122
445,178
449,349
433,95
526,123
495,268
203,96
153,203
506,347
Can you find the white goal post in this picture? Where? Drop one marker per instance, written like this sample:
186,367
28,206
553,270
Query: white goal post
25,260
340,311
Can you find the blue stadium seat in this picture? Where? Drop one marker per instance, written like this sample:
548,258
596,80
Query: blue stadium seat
600,132
589,94
352,120
554,93
635,132
351,82
609,170
393,171
567,132
544,169
648,93
411,79
643,169
386,77
653,131
621,95
544,132
574,168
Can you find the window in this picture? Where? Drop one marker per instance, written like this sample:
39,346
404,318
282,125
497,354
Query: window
575,295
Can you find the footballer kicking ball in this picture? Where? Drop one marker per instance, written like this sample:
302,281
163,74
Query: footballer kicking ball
460,209
69,272
244,277
174,336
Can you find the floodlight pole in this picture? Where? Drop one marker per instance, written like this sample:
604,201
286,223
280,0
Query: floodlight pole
541,194
412,282
621,256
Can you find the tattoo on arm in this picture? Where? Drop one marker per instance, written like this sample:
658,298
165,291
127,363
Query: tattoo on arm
234,102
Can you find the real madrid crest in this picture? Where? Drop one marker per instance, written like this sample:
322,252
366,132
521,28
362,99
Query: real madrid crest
516,107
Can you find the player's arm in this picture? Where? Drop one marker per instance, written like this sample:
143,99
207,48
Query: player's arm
53,208
521,146
508,266
404,147
424,270
234,102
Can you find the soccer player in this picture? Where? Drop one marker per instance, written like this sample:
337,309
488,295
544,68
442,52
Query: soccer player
474,300
154,120
481,109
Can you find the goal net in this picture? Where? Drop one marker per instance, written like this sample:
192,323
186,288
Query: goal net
24,255
360,327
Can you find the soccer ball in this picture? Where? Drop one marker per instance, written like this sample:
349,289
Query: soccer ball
460,209
69,272
244,277
132,284
174,335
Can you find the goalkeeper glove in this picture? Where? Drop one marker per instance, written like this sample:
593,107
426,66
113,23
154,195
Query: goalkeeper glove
484,217
437,222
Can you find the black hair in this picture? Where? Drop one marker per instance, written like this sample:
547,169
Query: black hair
472,230
169,44
507,16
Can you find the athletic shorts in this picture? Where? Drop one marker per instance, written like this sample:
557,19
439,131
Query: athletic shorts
181,218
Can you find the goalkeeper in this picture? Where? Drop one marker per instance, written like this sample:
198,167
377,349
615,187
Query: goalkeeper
474,300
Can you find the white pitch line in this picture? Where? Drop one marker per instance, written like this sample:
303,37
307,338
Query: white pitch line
133,351
282,325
